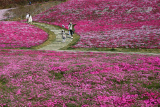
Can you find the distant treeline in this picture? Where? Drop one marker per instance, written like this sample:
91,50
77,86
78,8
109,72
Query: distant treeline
14,3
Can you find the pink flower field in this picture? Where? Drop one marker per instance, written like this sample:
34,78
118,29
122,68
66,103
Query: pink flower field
71,79
17,35
38,78
109,23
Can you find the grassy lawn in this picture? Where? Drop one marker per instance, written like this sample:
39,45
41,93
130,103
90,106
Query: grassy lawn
116,50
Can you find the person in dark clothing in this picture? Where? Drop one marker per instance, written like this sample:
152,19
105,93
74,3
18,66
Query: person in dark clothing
71,29
29,2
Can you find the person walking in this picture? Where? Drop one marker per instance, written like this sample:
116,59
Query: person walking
27,17
30,19
29,3
70,27
73,29
63,36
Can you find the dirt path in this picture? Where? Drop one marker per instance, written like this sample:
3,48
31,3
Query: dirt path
57,44
2,13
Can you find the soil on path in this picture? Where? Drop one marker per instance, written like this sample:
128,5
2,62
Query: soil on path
2,12
58,43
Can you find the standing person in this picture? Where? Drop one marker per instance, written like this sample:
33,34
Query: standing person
73,29
30,19
29,2
68,30
27,16
70,27
63,36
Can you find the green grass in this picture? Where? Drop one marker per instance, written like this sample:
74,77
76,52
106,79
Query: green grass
116,50
3,80
72,105
152,85
58,75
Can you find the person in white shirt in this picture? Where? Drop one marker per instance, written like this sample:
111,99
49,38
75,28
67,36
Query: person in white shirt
30,19
27,16
70,27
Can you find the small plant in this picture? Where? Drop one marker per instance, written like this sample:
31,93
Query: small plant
152,85
58,75
3,80
71,105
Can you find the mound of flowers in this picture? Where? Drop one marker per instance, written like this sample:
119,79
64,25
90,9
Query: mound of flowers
87,79
109,23
14,34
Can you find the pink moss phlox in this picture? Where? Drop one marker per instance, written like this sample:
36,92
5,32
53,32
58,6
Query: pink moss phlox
89,78
15,34
109,23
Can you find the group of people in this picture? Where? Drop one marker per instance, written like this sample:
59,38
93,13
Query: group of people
71,31
29,18
70,27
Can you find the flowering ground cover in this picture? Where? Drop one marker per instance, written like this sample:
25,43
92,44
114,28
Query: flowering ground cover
17,35
47,78
109,23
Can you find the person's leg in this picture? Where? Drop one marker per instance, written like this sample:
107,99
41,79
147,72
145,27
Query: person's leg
71,33
62,39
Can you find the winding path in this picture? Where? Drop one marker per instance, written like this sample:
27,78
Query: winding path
2,12
57,44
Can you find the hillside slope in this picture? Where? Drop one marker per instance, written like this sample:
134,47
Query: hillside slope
109,23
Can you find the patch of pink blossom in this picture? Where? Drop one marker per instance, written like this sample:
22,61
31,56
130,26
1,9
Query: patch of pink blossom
49,78
109,23
17,35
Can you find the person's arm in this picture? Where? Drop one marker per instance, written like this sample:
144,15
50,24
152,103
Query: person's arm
27,16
